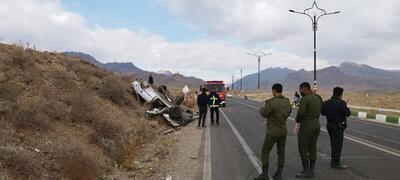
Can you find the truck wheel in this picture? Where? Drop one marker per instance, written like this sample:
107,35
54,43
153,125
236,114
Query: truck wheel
175,112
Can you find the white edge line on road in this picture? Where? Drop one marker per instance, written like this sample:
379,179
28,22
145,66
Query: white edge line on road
250,153
207,155
361,141
365,142
348,137
362,120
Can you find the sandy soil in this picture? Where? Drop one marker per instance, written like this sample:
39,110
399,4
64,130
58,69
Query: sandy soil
184,160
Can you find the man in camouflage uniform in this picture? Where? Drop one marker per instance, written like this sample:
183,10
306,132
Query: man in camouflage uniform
308,118
276,110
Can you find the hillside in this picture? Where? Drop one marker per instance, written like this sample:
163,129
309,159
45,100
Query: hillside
63,118
268,77
176,81
352,76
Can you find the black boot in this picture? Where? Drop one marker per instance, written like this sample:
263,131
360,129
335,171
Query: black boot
335,164
339,166
278,173
263,175
312,166
306,173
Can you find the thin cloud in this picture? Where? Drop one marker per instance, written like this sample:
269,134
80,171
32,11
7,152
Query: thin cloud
49,26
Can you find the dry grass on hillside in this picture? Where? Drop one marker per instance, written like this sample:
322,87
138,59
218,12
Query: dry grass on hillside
65,118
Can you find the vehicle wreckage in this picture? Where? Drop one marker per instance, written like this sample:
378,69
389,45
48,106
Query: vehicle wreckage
161,104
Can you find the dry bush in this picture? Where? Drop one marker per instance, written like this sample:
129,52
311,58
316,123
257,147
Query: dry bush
128,79
19,58
81,167
134,137
28,116
108,135
83,71
99,73
113,89
62,80
94,83
52,108
9,91
118,144
83,109
107,129
19,162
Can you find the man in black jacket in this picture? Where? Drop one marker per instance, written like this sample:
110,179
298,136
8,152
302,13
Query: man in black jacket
336,111
202,102
151,80
214,103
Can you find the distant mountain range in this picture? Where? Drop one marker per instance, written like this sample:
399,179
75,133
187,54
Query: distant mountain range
352,76
250,82
160,78
165,72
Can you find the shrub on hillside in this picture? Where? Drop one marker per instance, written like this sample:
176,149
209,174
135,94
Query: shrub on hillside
52,108
19,162
113,89
9,91
134,137
81,167
28,116
109,136
82,106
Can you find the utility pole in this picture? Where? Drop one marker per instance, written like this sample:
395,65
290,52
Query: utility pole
241,80
314,13
233,82
259,54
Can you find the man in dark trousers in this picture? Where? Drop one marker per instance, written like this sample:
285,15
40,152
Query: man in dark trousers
296,99
202,103
214,103
276,110
308,118
336,111
151,80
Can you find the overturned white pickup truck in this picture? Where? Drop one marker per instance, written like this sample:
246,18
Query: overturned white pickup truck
161,104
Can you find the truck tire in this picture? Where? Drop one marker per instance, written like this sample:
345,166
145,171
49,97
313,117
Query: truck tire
175,112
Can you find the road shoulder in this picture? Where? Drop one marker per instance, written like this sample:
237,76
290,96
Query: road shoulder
185,160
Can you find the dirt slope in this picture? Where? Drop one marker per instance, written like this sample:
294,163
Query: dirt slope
65,118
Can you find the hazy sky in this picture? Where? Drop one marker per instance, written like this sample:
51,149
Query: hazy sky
208,38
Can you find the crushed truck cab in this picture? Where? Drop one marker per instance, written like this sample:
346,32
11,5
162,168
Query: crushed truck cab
161,103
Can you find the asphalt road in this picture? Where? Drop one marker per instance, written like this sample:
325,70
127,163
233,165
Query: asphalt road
371,150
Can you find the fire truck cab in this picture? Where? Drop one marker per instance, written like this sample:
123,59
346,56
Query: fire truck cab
219,87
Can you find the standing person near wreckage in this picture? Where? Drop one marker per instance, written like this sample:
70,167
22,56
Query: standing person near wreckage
308,118
276,110
151,80
202,103
214,103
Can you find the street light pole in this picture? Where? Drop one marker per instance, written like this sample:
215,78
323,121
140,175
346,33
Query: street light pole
314,13
315,52
259,54
233,82
259,73
241,80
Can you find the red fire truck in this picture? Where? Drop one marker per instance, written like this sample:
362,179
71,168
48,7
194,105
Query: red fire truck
219,87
